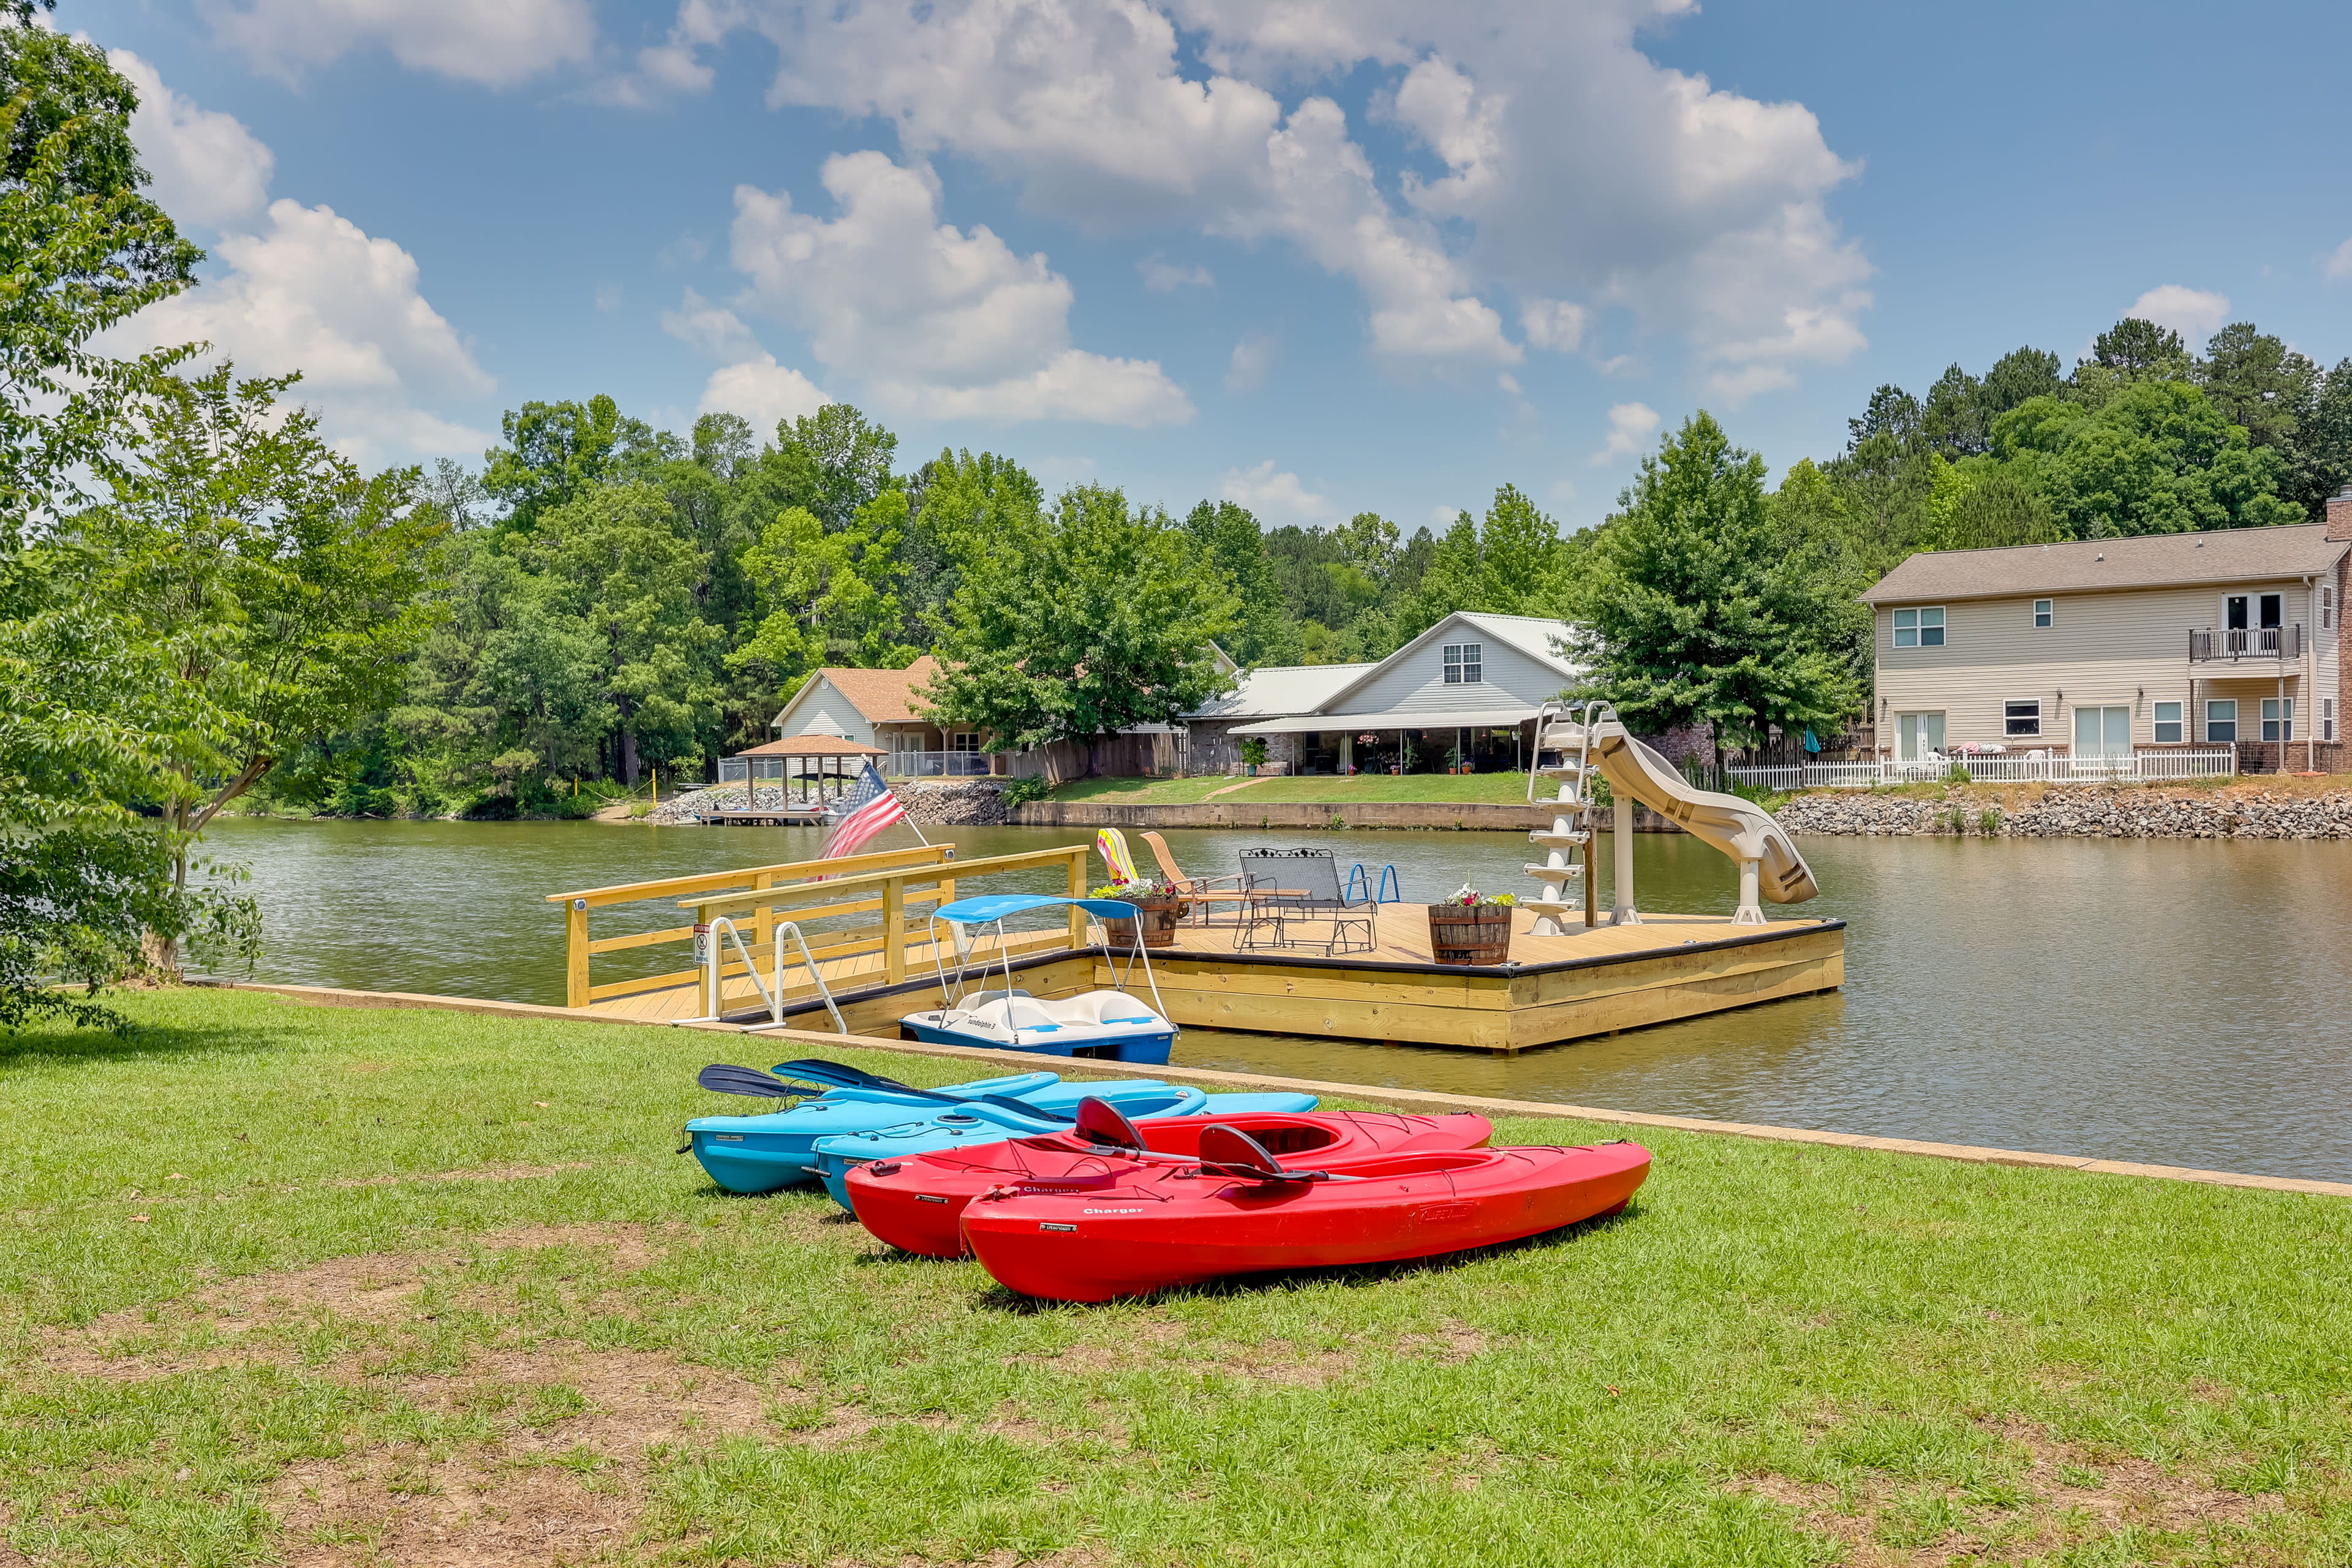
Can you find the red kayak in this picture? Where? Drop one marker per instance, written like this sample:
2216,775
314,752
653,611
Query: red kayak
917,1204
1149,1228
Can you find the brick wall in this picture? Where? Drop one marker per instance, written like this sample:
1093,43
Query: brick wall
2263,756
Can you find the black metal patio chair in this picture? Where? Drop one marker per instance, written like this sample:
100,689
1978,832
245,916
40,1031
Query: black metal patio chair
1281,888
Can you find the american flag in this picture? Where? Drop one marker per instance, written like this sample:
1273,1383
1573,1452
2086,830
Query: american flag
866,811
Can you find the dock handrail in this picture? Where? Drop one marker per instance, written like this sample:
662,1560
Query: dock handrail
895,883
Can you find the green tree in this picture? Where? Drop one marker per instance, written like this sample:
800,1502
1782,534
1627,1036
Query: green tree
1512,561
2156,457
283,582
615,561
555,451
1697,611
2131,352
1229,533
2319,456
959,504
2254,380
1094,622
829,597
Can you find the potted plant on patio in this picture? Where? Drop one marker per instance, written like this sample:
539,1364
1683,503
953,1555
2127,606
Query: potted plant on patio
1472,927
1254,755
1158,906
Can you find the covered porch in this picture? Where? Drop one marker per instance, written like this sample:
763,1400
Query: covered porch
1485,741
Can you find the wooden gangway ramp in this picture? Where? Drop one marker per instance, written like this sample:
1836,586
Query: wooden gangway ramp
1555,989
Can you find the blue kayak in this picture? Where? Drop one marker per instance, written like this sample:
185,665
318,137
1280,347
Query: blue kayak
955,1130
762,1153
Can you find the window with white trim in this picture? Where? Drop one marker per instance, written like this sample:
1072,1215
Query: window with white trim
1465,663
2168,723
2327,719
966,741
2045,613
2327,606
2273,729
1919,628
2021,717
2222,719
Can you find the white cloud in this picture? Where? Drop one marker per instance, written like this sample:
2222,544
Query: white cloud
1163,277
1573,166
1631,425
207,167
1508,383
2195,313
765,393
1561,492
1276,497
1253,359
493,44
715,330
938,322
1552,324
1442,518
2339,265
313,292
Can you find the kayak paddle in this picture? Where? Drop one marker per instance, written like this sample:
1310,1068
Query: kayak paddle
1230,1152
726,1079
844,1076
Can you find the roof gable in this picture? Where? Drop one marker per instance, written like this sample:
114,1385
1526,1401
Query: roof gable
1530,635
2095,565
880,696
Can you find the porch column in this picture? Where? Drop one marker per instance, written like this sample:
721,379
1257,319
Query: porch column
1347,753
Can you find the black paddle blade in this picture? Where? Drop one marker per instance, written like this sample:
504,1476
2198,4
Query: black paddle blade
1099,1121
1231,1152
841,1076
1006,1102
725,1078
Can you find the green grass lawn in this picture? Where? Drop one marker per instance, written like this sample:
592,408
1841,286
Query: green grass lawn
1509,789
294,1283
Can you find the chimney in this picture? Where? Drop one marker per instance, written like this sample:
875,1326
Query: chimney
2340,513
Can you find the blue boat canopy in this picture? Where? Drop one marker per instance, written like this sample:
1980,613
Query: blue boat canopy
996,906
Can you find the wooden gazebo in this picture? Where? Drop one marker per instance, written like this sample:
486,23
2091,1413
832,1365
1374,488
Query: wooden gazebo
810,758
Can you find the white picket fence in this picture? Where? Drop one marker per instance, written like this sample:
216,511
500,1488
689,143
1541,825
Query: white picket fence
2217,763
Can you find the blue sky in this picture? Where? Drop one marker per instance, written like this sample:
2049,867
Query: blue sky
1318,255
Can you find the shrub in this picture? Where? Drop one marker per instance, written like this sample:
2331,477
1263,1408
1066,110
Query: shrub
1021,792
1253,752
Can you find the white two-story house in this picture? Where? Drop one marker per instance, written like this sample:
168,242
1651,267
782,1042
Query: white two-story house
2101,648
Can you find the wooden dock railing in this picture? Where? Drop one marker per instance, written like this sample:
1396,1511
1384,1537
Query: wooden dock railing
896,883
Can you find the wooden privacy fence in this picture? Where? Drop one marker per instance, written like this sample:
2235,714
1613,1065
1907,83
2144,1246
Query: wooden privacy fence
896,884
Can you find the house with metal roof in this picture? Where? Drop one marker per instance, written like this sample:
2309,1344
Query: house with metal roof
2109,646
1462,696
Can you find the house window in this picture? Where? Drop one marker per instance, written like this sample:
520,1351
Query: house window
2046,612
2022,717
2102,731
1465,663
2327,719
2326,607
2222,719
1919,737
2272,730
1919,628
964,741
2168,723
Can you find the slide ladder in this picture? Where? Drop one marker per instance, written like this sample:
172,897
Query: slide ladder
1769,865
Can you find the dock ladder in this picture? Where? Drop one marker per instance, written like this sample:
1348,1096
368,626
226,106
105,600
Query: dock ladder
771,993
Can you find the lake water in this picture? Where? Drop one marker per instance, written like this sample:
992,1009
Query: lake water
2181,1002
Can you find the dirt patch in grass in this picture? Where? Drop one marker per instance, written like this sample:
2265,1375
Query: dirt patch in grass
2060,1495
376,1288
1155,1342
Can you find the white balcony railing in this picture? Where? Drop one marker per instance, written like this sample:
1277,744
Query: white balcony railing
938,765
2009,767
2284,643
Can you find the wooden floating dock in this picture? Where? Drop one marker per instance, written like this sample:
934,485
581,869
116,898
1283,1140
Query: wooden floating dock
786,816
1554,989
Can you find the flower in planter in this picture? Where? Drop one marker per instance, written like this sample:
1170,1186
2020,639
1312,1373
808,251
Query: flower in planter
1141,888
1470,897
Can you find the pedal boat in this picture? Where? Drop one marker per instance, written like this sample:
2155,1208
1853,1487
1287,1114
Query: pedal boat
1145,1227
1106,1025
917,1203
954,1129
762,1153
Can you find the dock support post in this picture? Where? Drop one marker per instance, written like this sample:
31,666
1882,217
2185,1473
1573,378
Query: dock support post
1750,912
894,929
576,954
1620,831
1079,891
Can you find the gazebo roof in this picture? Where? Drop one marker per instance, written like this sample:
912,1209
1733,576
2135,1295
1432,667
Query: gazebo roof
815,746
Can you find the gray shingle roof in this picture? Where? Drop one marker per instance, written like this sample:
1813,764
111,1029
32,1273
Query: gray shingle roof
2151,561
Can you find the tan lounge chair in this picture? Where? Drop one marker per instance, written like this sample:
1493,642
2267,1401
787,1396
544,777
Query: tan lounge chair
1203,891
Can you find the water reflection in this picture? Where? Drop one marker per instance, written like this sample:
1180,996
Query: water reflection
2172,1001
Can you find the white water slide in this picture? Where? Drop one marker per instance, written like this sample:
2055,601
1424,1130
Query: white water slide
1769,865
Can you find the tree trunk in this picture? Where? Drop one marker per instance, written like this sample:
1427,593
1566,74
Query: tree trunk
1094,743
628,759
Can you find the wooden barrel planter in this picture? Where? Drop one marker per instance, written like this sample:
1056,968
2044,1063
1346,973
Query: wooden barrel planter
1159,917
1470,934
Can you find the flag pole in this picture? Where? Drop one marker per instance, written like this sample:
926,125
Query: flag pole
909,817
